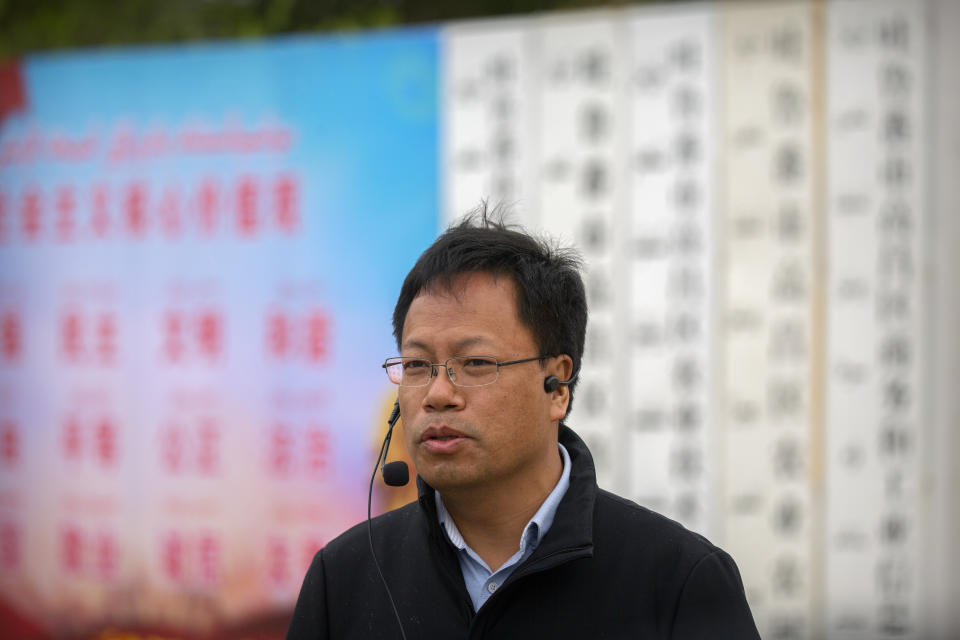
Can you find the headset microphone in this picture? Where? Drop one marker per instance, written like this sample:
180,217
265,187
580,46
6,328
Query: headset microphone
395,474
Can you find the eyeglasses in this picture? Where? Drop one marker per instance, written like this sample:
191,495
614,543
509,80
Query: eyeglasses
463,371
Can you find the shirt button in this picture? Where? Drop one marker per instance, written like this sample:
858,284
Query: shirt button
491,587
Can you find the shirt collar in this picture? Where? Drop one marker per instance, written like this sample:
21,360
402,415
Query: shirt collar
538,525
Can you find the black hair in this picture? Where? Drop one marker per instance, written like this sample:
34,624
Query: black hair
551,300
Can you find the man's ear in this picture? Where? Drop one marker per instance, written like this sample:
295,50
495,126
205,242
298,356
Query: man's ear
562,368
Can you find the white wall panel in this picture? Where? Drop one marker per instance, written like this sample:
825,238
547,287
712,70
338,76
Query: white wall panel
767,213
877,222
486,137
671,327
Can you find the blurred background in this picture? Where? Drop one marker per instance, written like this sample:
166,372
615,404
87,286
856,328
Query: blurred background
207,209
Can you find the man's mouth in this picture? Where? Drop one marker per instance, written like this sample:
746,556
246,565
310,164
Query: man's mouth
442,432
442,439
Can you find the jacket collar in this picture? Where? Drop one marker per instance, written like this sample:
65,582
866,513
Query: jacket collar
572,529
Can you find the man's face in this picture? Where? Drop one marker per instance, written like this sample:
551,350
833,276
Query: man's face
479,437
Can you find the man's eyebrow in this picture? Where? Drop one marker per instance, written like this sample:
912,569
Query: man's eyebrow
458,347
413,344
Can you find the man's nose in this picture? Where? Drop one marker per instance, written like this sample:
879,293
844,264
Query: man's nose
441,392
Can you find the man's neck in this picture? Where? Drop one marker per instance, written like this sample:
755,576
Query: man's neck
491,519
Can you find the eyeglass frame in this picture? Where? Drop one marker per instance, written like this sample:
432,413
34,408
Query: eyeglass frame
434,365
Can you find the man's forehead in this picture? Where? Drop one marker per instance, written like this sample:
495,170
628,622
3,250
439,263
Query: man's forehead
455,288
455,284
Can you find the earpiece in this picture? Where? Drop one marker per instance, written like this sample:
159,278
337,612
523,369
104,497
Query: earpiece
552,383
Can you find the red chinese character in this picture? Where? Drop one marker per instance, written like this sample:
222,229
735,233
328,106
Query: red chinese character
278,335
317,336
281,450
31,213
318,450
106,338
171,556
209,334
286,203
72,444
136,209
71,549
9,547
208,454
172,448
170,220
209,559
9,443
66,204
247,206
71,336
106,439
106,556
173,345
277,559
100,216
11,340
208,204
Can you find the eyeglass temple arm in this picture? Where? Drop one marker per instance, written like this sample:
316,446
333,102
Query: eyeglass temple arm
573,376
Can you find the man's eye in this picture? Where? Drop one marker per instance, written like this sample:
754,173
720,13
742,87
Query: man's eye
414,364
476,363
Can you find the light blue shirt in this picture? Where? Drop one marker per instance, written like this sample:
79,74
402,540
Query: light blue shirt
480,580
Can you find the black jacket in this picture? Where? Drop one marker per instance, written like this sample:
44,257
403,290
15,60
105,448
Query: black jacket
607,568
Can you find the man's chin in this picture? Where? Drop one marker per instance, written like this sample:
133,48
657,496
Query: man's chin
447,477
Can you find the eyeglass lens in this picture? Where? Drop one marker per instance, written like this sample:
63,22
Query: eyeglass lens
464,371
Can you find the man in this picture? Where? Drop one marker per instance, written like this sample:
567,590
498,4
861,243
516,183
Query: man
510,537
